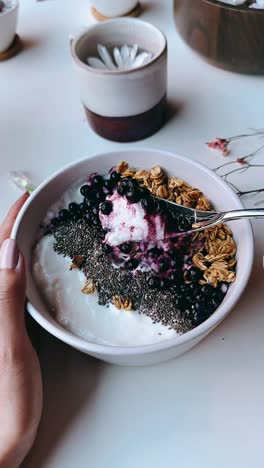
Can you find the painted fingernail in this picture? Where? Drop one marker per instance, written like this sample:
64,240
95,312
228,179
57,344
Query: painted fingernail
9,255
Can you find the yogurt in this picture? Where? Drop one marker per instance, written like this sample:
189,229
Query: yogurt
128,222
79,313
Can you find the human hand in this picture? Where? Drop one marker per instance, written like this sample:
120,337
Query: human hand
20,376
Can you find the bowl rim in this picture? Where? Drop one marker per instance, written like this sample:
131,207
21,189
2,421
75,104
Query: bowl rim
240,8
96,71
116,350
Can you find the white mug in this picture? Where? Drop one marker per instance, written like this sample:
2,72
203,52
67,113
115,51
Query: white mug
114,8
8,24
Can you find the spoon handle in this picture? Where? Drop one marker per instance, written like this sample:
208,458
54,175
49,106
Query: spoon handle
240,214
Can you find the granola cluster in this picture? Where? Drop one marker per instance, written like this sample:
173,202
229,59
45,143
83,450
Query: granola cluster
122,303
217,256
89,287
169,188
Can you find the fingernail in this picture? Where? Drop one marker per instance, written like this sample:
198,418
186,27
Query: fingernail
9,255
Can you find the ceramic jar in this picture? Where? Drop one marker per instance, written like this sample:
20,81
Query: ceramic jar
115,8
8,24
123,105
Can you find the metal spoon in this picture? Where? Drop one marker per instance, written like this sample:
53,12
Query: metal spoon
208,219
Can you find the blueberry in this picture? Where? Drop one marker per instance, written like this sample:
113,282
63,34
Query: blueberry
102,234
189,261
195,289
188,313
207,289
125,183
55,222
132,183
90,204
197,306
64,215
164,264
184,289
220,295
174,287
121,190
174,240
173,220
181,228
106,207
149,205
184,224
145,193
74,208
194,274
160,207
126,247
95,211
216,292
199,317
90,197
107,249
173,253
108,183
154,282
155,252
98,181
175,277
164,284
83,207
99,196
132,264
76,217
96,221
198,297
188,300
108,186
133,196
115,177
178,302
86,190
213,303
88,218
179,295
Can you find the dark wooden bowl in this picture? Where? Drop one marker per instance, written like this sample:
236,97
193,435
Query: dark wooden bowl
228,37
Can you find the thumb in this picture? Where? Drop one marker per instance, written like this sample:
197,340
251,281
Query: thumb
12,291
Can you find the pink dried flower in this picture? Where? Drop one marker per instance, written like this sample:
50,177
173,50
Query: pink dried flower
220,144
241,160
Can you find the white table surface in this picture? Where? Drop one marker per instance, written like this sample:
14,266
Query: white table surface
206,408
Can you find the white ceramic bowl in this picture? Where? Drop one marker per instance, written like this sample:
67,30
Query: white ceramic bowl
8,24
197,175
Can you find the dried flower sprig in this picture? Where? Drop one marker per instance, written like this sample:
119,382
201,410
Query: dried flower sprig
244,165
222,144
